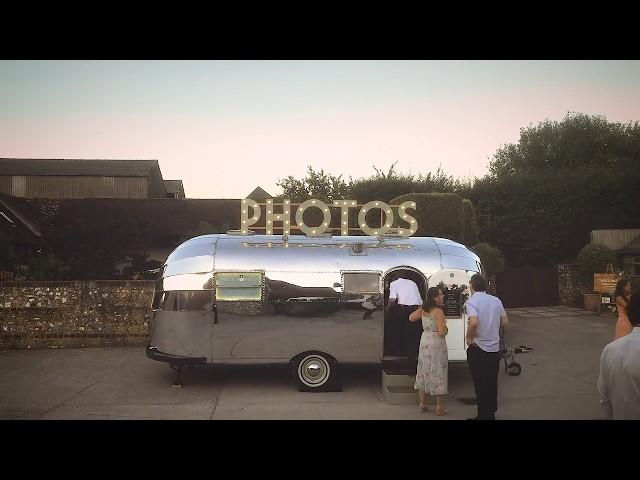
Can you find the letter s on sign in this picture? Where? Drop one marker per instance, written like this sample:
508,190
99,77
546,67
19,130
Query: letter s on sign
413,223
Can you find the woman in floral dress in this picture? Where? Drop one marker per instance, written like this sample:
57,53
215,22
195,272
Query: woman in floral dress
433,360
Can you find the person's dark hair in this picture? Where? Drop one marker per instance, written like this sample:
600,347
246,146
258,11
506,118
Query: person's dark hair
633,309
620,288
479,283
430,302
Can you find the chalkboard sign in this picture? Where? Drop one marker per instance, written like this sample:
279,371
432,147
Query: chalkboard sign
452,302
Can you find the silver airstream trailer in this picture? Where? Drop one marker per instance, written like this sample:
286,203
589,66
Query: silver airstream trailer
315,302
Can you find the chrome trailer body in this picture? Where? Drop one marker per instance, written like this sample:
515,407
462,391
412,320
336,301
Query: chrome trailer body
268,299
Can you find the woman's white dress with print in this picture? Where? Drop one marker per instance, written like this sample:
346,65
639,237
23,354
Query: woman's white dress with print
433,360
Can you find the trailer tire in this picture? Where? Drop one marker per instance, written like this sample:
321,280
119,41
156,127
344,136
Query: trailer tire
315,372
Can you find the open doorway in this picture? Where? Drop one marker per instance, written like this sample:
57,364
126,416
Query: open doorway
395,334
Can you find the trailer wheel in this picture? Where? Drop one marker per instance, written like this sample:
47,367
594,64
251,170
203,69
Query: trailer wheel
514,369
314,372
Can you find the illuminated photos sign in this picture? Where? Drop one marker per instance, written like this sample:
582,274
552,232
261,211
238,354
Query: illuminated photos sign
251,212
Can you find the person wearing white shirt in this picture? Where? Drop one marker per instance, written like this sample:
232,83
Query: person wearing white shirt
619,377
486,316
404,299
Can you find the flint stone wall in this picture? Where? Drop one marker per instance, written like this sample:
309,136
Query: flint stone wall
74,314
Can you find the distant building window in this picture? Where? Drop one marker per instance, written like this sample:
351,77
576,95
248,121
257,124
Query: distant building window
635,266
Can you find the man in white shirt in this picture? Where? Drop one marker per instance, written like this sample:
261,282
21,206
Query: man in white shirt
486,317
619,378
404,299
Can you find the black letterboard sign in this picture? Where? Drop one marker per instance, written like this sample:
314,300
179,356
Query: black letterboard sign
452,302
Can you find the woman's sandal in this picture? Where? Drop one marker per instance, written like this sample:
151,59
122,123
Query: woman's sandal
441,411
424,408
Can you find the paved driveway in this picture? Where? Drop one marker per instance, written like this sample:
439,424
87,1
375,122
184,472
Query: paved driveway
558,381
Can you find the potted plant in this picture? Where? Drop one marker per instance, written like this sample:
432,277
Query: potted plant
593,258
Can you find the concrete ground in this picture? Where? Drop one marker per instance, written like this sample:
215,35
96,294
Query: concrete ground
558,381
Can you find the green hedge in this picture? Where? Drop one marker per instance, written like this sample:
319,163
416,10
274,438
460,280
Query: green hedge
437,214
544,219
470,225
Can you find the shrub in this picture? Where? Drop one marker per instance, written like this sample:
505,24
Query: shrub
492,259
594,258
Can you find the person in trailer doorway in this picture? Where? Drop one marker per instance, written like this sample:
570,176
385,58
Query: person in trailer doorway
404,299
486,316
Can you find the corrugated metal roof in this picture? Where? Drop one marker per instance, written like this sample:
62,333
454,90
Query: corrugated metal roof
633,247
109,168
87,167
615,239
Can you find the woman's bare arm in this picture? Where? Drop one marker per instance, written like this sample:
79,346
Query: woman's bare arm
415,316
621,302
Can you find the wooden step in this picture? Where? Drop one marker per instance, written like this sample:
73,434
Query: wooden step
398,388
392,379
397,366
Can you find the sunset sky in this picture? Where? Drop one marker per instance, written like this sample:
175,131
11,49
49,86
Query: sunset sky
224,127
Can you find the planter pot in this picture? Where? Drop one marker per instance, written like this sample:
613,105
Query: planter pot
591,301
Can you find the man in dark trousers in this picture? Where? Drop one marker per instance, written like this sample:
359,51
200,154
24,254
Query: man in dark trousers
404,299
486,317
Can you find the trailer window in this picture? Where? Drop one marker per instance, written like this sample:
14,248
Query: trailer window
361,282
239,286
187,300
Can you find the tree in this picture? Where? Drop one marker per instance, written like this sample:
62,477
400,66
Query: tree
384,187
142,266
204,228
44,267
320,185
7,253
543,219
594,258
578,141
560,181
